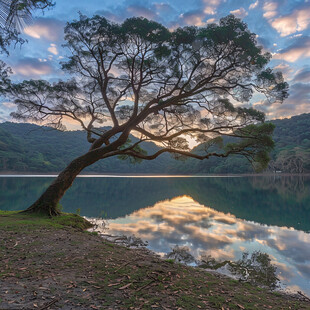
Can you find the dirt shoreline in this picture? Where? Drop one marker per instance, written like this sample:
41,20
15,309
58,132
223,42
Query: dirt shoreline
46,264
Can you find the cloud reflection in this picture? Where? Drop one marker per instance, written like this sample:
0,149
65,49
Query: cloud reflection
184,222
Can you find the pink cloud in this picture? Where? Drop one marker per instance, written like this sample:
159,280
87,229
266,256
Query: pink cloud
241,13
254,5
211,6
270,9
32,67
141,11
46,28
300,49
299,20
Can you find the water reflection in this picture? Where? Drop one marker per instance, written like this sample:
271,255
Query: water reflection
281,201
184,222
270,214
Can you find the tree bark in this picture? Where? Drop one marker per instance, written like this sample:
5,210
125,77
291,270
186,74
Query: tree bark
49,200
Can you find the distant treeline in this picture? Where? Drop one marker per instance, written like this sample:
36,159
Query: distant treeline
31,148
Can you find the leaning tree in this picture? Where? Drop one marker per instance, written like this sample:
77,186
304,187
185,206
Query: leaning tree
169,87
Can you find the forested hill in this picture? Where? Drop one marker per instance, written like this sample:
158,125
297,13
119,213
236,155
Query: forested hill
290,155
31,148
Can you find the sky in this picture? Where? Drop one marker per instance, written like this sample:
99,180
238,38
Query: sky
282,28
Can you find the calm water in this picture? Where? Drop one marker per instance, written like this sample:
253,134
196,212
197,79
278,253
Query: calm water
217,216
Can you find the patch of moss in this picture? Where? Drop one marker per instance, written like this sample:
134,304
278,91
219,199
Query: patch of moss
16,221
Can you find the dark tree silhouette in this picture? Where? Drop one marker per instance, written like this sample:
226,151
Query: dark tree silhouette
14,16
170,87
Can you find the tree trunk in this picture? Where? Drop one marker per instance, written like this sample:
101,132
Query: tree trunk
48,202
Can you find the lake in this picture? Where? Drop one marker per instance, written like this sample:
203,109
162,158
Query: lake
218,216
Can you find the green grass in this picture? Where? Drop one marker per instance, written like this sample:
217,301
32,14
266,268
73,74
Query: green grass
92,233
14,220
188,302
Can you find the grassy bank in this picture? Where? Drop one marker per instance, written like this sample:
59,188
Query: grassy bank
55,264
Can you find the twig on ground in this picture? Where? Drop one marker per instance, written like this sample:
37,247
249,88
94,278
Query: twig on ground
49,304
115,271
144,286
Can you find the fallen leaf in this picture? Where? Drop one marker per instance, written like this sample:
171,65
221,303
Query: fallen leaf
125,286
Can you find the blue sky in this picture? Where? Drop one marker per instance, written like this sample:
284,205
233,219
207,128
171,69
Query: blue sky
282,26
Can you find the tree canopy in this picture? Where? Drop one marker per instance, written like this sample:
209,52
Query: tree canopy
171,87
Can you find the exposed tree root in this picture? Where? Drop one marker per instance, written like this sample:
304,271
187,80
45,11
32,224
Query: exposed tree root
43,209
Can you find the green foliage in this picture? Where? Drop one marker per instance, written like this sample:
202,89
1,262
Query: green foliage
234,31
256,143
137,148
146,29
255,114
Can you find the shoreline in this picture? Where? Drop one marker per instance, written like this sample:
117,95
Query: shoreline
151,175
66,267
136,243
